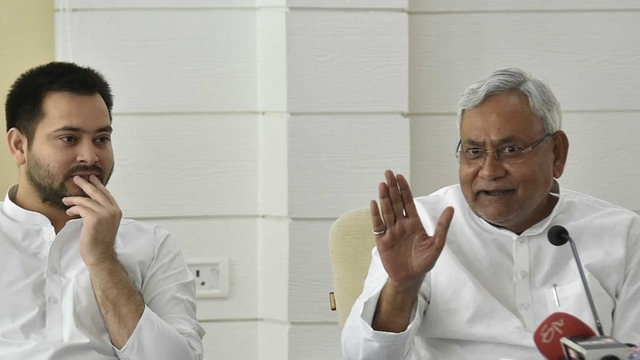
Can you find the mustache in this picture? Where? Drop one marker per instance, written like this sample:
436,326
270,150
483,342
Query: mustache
87,169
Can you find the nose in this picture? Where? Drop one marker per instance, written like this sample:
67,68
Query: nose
492,168
87,153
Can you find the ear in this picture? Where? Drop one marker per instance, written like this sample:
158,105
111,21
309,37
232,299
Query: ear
17,143
560,151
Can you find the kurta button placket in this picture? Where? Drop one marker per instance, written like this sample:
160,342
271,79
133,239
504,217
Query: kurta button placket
53,288
522,282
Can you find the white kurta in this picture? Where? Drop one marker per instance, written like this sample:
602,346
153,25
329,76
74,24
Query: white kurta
491,288
48,309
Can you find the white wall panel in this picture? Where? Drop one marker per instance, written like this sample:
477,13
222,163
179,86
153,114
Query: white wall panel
185,165
314,342
336,162
310,279
433,144
273,340
520,5
167,61
272,3
337,4
272,59
273,164
153,4
588,58
603,159
347,61
230,340
273,269
351,4
232,238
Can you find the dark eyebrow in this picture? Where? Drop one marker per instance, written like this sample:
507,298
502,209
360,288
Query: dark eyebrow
503,141
106,129
472,142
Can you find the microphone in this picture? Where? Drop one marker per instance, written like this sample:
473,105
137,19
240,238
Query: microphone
559,236
563,336
572,344
556,326
595,348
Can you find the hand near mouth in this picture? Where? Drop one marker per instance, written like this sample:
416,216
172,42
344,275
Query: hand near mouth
101,218
120,302
87,177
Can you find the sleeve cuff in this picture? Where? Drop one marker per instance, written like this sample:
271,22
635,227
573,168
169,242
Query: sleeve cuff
366,315
153,338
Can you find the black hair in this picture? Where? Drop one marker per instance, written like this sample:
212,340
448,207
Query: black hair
23,107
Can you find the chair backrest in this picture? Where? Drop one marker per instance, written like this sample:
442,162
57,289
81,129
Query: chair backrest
350,245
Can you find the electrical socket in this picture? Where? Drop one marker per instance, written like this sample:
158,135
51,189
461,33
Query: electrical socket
211,277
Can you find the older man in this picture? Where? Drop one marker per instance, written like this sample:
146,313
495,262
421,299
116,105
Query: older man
80,282
476,285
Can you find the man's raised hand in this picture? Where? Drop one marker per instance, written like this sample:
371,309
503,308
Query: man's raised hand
406,250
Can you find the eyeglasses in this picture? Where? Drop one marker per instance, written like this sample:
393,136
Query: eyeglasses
509,154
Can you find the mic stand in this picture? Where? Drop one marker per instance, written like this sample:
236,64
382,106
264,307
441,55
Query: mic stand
586,288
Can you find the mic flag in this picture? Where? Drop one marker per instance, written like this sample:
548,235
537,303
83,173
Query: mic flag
556,326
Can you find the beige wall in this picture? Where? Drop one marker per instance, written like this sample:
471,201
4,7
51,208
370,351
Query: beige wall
26,40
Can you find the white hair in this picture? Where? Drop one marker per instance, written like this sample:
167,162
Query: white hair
541,99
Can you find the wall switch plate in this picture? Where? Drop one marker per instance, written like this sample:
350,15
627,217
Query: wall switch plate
211,277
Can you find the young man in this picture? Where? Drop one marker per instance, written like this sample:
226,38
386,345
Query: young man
80,282
476,284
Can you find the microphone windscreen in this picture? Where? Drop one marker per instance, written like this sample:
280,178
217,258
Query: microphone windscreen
553,328
558,235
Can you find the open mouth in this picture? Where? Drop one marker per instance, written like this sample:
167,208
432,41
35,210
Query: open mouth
495,192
